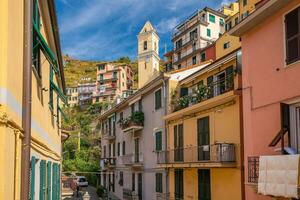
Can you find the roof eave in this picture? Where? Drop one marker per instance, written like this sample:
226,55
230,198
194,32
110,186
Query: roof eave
257,17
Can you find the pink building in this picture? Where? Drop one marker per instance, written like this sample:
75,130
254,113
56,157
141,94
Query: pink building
113,80
271,88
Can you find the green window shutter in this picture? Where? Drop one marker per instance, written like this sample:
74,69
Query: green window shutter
58,181
212,18
158,182
49,180
32,177
54,182
158,141
208,31
42,179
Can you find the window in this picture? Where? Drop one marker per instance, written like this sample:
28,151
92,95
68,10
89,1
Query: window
133,182
178,142
145,45
158,141
179,55
203,138
101,77
123,84
140,105
236,20
121,179
212,18
97,99
178,184
222,22
194,60
208,32
226,45
179,66
245,2
184,91
204,186
123,148
123,75
292,28
118,149
228,26
158,182
203,57
115,74
101,67
178,44
193,34
158,99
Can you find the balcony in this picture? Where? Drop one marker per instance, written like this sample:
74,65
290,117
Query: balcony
134,160
133,123
278,171
186,42
216,155
188,24
102,80
204,92
109,135
188,53
128,194
108,163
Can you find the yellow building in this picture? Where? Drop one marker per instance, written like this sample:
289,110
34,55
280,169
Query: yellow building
203,154
44,65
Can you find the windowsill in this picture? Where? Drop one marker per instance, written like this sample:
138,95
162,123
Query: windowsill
292,64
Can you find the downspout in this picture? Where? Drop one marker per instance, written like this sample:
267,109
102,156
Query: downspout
166,134
26,102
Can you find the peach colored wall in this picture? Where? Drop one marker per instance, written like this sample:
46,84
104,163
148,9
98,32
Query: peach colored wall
266,82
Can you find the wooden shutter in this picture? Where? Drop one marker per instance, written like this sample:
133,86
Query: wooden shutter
292,36
180,142
43,179
32,178
158,141
49,180
118,149
179,185
158,182
133,181
124,148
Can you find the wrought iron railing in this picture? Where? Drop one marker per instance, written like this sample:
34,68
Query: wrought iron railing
204,92
130,159
221,152
253,169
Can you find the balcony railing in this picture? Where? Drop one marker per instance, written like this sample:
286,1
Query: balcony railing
132,159
186,41
112,78
109,135
204,92
253,169
134,122
217,153
108,163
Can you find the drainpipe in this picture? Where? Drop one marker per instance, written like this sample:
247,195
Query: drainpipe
26,104
166,134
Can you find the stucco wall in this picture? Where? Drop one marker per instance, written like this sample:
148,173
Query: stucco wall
266,82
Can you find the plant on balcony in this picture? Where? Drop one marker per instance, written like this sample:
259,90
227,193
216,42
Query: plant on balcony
137,118
183,102
199,93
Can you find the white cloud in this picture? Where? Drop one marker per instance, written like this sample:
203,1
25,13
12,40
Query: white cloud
167,25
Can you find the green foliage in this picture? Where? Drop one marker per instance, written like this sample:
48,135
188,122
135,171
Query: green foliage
137,118
124,59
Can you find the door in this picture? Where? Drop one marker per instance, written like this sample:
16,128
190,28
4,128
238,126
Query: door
178,143
179,194
204,184
140,185
136,150
203,138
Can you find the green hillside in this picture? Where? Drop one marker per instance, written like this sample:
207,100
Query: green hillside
82,71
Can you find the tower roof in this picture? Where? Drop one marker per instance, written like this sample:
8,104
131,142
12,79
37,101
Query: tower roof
147,27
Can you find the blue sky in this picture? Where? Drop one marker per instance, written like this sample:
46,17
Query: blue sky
107,29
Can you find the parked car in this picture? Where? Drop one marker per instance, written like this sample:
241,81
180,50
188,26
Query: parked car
82,181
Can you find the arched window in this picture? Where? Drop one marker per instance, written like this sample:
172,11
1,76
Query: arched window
145,45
